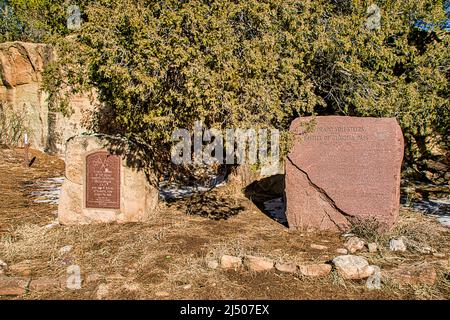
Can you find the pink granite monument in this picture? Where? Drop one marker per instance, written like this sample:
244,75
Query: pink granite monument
343,169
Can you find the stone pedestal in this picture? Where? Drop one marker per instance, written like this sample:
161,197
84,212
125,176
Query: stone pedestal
100,188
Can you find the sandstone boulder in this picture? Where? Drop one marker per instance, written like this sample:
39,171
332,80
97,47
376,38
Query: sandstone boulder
21,68
345,170
13,286
354,244
230,262
315,270
318,247
286,267
258,264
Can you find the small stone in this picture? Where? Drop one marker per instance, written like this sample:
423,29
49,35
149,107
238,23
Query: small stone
212,264
354,244
374,281
439,255
64,250
318,247
315,270
258,264
47,284
373,247
13,286
102,291
397,245
352,267
286,267
187,287
230,262
417,274
162,294
24,268
342,251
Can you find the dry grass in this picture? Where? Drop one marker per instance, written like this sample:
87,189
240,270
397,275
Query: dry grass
166,257
416,229
368,230
12,126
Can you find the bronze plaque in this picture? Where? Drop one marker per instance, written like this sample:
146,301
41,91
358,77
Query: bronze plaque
102,181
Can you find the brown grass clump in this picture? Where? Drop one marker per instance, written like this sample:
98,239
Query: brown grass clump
368,229
423,230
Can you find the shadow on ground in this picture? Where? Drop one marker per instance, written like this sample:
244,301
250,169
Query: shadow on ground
268,195
210,205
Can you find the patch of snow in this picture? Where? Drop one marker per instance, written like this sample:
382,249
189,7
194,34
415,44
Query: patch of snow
47,191
437,208
170,190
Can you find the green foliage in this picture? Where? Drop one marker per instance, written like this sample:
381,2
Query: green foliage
398,71
161,65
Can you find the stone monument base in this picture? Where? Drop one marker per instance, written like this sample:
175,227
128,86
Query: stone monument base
100,188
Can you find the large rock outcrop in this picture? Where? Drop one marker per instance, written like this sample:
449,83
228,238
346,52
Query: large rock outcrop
21,67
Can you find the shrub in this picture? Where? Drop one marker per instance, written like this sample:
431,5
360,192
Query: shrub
161,65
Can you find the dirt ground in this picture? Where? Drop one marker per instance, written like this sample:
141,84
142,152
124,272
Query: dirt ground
167,257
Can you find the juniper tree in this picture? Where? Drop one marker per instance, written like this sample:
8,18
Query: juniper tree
162,65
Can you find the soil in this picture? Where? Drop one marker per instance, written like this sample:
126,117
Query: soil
158,259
